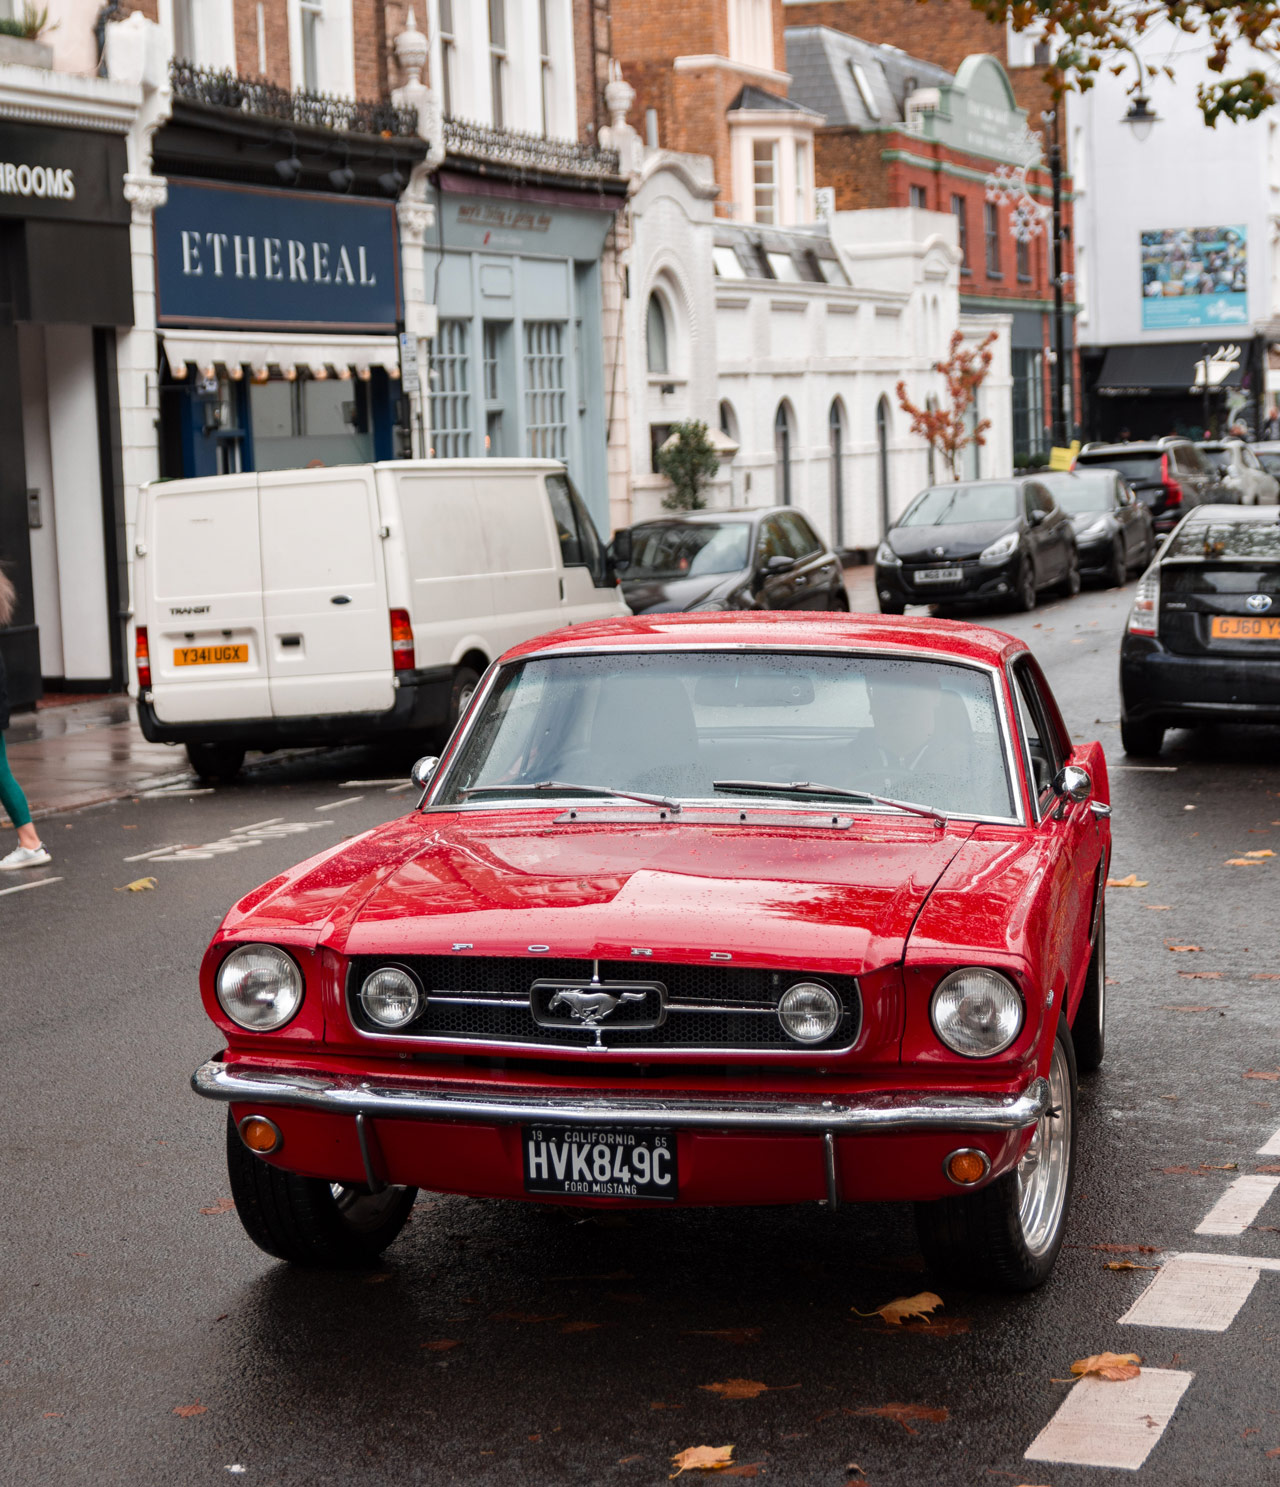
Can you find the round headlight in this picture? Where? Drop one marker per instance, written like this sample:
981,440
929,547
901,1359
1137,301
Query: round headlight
259,987
975,1012
391,997
809,1012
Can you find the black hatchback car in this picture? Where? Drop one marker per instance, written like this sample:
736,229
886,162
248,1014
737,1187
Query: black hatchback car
1114,530
1169,475
1202,642
977,542
763,558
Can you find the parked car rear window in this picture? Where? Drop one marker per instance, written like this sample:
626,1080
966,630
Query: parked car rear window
673,723
1137,469
667,550
1216,459
1092,490
951,505
1227,540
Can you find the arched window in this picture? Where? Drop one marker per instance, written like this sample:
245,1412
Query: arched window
835,432
655,333
783,437
729,421
882,460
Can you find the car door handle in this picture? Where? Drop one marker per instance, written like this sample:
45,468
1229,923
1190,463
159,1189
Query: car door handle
340,599
801,578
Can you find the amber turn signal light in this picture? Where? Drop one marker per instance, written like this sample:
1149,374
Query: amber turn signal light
260,1134
967,1166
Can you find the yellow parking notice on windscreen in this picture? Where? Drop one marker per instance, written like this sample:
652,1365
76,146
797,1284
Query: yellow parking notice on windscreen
1064,459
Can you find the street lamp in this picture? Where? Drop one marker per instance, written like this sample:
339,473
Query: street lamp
1141,117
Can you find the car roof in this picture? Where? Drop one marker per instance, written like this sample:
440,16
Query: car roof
1220,511
1266,446
695,518
1138,446
955,639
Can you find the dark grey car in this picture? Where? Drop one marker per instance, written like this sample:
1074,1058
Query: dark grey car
766,558
1115,535
1169,476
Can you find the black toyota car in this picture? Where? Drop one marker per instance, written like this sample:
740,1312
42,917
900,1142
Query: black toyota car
763,558
978,542
1202,643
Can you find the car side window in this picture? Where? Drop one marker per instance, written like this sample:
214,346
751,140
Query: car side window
571,554
589,539
1044,748
1043,499
1028,499
771,542
799,535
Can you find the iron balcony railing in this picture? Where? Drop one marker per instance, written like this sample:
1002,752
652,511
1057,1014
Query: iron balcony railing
516,151
222,88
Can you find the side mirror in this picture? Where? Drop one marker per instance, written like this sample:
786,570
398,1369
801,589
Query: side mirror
1036,517
1071,785
779,563
620,548
422,772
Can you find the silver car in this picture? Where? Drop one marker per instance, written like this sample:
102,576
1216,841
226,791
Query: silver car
1241,472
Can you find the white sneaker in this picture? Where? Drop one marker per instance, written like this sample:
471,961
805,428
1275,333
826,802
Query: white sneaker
24,857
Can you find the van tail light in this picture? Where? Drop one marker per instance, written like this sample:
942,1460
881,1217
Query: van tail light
1172,490
142,656
1144,617
401,640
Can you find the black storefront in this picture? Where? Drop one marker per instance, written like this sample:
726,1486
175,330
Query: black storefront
64,260
1144,390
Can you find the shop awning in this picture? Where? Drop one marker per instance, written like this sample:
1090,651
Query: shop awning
1139,371
229,350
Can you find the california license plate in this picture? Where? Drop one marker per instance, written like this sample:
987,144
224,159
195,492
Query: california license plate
1244,627
210,655
600,1161
939,575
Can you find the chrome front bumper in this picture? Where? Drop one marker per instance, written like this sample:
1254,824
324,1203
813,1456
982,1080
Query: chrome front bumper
426,1100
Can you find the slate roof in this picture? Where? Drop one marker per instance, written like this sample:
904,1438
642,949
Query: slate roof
758,100
821,60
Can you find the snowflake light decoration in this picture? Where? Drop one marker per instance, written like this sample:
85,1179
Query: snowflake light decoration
1008,184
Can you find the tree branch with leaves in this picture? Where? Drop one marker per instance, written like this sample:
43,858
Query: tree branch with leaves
946,428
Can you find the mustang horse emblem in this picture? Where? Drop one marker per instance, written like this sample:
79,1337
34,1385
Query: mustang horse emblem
592,1007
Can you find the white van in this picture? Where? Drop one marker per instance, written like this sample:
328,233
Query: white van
297,607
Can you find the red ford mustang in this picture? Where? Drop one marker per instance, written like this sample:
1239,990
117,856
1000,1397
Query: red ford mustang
695,909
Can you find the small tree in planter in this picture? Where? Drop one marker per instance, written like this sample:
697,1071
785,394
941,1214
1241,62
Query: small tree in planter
946,429
688,459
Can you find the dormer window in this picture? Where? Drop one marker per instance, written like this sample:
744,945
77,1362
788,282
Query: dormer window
863,84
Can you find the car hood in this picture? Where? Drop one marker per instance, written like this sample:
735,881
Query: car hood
963,540
1083,520
663,596
501,881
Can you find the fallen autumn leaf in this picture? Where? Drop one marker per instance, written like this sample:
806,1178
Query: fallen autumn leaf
901,1413
1201,975
738,1388
1132,881
895,1312
1115,1367
1272,1074
701,1459
186,1411
1185,949
223,1205
139,885
1126,1265
1265,852
1242,862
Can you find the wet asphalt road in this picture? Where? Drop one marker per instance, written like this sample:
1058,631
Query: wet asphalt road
146,1341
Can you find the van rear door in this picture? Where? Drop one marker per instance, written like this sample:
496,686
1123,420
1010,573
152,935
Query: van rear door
324,593
203,600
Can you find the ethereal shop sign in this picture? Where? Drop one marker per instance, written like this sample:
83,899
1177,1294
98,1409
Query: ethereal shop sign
250,258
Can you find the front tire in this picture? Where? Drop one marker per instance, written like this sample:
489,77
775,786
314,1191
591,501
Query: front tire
1006,1236
1145,740
1024,596
1118,568
1089,1034
215,761
1070,585
308,1221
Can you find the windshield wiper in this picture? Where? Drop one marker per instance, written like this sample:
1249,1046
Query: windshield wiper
602,790
807,787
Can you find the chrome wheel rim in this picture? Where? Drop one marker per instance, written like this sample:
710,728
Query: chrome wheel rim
361,1209
1045,1167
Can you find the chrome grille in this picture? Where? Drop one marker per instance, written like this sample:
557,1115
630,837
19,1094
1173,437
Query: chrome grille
485,999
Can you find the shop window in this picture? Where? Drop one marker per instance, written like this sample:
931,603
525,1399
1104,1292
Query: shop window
546,427
1024,260
450,395
1027,367
764,180
655,335
919,197
959,212
991,235
498,61
448,56
311,20
310,422
783,437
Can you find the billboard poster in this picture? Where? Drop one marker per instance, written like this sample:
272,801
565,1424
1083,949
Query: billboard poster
1195,276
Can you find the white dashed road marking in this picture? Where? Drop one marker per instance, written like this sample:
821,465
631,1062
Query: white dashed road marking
244,836
1272,1148
1106,1424
1198,1292
22,887
335,805
368,784
1239,1205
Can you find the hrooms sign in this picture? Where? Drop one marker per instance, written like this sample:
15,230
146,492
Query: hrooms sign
37,180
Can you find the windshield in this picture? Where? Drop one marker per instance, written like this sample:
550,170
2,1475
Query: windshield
1079,494
950,505
1216,459
666,550
672,723
1137,469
